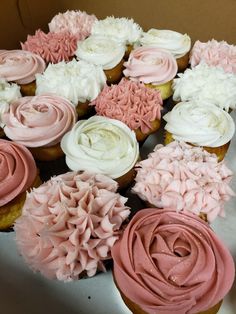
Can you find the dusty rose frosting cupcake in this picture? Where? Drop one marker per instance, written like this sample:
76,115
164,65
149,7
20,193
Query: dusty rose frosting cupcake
69,225
134,104
185,178
167,262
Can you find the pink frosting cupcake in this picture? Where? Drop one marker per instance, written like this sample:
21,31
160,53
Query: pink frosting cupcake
185,178
69,225
168,262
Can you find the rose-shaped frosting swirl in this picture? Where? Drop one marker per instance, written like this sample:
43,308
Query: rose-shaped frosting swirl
52,47
150,65
101,145
186,178
77,81
214,53
207,83
17,170
69,225
76,22
101,51
124,30
20,66
176,43
200,123
39,120
168,262
130,102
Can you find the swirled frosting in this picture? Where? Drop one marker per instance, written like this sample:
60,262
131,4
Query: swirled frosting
76,22
150,65
39,120
185,178
130,102
214,53
168,262
69,225
121,29
20,66
77,81
52,47
200,123
207,83
17,170
102,145
176,43
101,51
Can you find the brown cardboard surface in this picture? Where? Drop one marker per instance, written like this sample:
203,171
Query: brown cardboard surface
201,19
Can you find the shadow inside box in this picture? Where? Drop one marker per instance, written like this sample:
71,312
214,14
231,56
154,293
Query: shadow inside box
48,169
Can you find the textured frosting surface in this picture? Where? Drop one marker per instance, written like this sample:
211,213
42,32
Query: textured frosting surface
200,123
102,145
17,170
39,120
20,66
176,43
185,178
52,47
77,81
130,102
168,262
150,65
69,225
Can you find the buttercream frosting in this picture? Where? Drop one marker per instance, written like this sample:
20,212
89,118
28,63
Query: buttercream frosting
39,120
69,225
102,145
168,262
130,102
185,178
200,123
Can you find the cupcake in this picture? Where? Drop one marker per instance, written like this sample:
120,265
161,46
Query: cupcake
78,81
21,67
185,178
202,124
18,173
168,262
39,122
102,145
152,66
104,52
176,43
133,103
69,225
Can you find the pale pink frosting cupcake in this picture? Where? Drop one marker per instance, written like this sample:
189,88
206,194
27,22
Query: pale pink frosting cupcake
185,178
168,262
52,47
214,53
69,225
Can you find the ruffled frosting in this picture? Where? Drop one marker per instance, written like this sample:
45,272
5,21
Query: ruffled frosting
176,43
76,22
200,123
102,145
101,51
121,29
173,263
17,170
69,225
150,65
185,178
20,66
77,81
52,47
130,102
39,120
207,83
214,53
